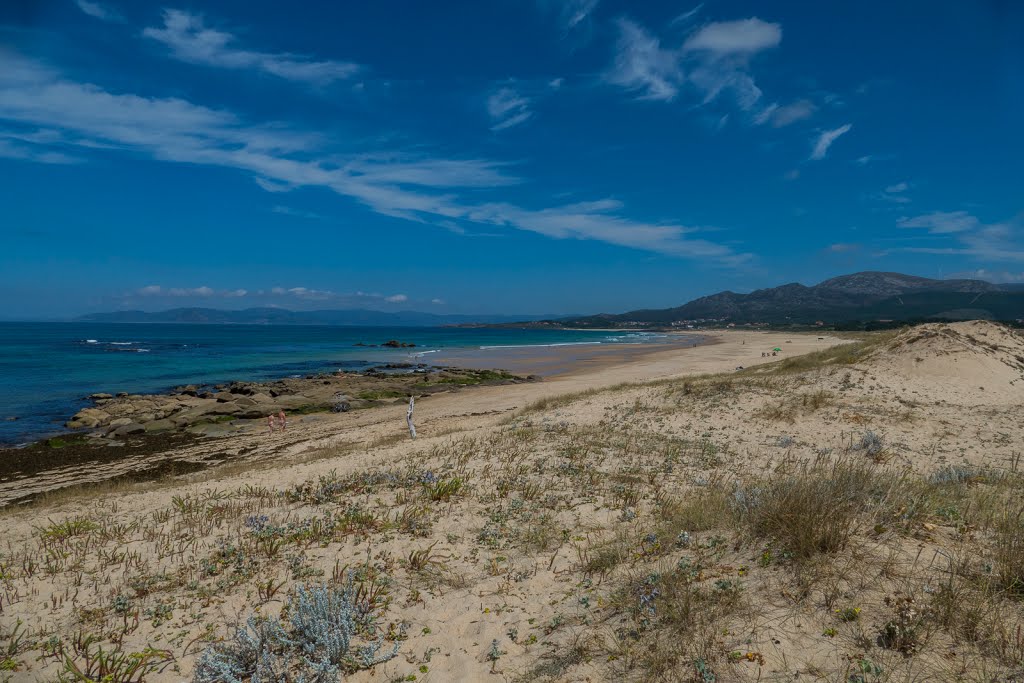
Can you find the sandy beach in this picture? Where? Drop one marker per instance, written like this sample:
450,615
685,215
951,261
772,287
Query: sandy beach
552,530
555,360
566,368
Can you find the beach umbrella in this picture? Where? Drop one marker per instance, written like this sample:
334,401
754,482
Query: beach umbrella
776,349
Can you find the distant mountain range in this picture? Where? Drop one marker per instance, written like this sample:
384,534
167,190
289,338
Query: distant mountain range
280,316
867,296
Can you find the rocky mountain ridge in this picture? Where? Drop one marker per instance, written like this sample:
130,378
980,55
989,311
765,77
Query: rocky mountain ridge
866,295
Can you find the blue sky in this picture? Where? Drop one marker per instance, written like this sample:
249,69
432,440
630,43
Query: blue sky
517,156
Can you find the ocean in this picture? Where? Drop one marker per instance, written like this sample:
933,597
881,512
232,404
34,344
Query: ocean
48,369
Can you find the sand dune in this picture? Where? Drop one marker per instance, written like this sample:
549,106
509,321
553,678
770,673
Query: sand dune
845,509
955,359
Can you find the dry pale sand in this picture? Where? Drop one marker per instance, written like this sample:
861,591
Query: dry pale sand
544,560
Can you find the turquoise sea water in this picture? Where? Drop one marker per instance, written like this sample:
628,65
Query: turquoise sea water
47,369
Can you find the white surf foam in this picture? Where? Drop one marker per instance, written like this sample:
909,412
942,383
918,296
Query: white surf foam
539,346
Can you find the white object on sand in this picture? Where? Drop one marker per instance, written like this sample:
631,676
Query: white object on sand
408,417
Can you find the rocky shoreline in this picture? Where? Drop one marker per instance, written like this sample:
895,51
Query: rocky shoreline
190,408
138,437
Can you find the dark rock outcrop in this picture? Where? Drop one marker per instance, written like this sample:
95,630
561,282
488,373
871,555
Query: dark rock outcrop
199,409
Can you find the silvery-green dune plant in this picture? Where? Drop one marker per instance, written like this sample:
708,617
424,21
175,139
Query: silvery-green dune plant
313,645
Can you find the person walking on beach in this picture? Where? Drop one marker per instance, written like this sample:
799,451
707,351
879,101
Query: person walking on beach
282,422
270,423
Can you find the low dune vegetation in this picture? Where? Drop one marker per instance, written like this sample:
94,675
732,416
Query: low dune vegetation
848,516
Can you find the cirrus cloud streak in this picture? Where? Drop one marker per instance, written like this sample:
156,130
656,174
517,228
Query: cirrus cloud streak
190,40
408,186
713,61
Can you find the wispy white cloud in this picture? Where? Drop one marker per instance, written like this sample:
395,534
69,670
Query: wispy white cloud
598,220
575,11
305,293
336,298
722,51
783,115
995,242
200,292
298,213
195,291
744,36
11,149
713,61
714,78
308,294
271,186
410,187
507,108
406,169
642,65
85,115
873,158
894,194
98,11
437,302
825,140
687,15
942,222
190,40
570,14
